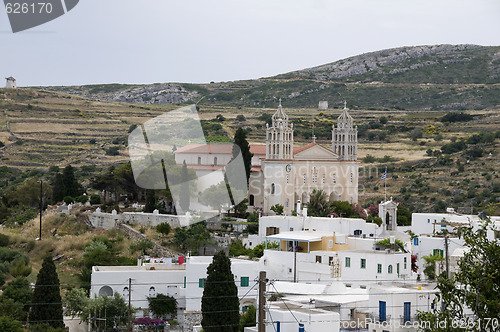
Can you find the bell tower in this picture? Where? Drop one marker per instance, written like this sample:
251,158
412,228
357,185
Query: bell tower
279,136
345,137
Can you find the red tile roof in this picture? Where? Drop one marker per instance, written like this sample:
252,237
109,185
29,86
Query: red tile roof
258,149
297,149
206,148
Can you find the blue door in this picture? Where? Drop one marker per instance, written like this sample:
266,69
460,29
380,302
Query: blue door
407,311
381,311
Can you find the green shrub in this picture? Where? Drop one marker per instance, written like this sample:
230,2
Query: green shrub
4,240
95,199
68,200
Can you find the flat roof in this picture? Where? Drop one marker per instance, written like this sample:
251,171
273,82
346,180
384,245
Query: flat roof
305,236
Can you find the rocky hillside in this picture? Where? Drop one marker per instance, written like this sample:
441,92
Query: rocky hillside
440,77
136,94
439,64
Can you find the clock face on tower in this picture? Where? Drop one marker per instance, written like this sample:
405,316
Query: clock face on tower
288,168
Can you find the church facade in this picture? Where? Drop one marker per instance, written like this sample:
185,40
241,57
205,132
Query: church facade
281,172
286,174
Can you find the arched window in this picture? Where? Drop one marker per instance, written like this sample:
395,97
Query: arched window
251,200
215,161
272,188
106,290
152,292
199,160
389,269
125,292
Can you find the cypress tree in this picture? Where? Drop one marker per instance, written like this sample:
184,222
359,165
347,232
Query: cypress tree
70,185
184,190
240,139
220,304
46,301
58,188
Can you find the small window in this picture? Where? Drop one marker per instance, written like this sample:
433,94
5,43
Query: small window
330,260
324,179
215,161
389,269
291,229
352,177
330,244
318,259
125,292
415,241
272,188
251,200
289,270
428,221
404,263
201,282
152,292
379,268
348,262
304,179
199,160
244,281
334,180
438,252
287,178
363,263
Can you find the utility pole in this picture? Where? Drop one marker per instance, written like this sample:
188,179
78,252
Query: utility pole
129,305
41,208
294,263
447,256
262,301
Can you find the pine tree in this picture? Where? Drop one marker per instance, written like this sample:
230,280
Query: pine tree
240,139
184,190
46,302
220,304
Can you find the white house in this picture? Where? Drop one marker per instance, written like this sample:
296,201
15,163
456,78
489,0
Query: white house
181,277
394,308
270,225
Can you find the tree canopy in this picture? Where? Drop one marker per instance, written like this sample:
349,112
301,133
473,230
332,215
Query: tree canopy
475,285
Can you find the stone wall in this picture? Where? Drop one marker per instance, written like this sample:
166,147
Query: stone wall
110,220
191,318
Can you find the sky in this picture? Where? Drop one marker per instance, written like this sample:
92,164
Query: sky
199,41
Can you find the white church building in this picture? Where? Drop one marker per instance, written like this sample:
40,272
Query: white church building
283,173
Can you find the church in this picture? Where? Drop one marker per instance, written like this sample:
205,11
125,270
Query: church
283,173
286,174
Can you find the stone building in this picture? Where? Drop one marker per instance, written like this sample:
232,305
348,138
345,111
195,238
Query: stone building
11,83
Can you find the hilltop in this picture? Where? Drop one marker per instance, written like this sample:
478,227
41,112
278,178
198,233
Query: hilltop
439,77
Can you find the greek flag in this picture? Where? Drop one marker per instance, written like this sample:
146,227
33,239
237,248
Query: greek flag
384,176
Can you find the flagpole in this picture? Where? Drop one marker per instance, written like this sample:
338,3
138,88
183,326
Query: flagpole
385,185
